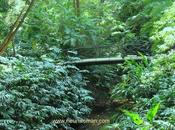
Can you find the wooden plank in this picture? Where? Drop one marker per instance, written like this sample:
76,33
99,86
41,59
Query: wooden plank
103,61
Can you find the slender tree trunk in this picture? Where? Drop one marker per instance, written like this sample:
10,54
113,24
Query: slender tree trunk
15,27
76,4
78,7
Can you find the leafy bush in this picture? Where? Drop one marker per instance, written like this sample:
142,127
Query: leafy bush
148,83
33,93
141,124
163,36
137,18
36,90
53,23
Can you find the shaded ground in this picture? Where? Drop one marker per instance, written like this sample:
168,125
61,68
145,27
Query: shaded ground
101,109
100,115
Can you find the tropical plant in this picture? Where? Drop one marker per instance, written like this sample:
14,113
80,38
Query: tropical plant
141,124
35,93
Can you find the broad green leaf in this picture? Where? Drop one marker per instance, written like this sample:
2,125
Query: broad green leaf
134,116
152,112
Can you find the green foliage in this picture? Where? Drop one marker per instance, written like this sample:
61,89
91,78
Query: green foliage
144,125
130,8
134,116
131,18
139,17
146,84
152,112
4,5
35,90
163,36
33,93
57,26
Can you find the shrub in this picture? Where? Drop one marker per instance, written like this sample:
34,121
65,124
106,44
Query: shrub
33,93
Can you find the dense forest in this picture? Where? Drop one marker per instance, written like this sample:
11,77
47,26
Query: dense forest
67,61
